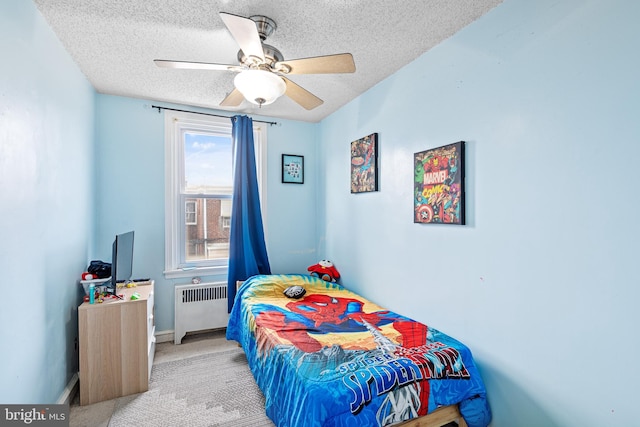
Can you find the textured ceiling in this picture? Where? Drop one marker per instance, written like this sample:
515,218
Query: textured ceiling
114,42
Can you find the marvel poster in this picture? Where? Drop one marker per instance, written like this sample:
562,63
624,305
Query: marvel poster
364,164
439,185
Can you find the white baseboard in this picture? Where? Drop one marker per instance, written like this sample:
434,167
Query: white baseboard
164,336
70,391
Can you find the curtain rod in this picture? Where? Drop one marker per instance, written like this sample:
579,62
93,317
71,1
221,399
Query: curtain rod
206,114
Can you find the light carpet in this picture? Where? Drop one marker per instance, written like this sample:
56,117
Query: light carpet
214,389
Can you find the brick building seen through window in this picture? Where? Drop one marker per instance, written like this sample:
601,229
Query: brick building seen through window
208,222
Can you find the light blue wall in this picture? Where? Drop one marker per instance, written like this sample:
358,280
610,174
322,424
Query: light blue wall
542,283
130,170
291,208
46,183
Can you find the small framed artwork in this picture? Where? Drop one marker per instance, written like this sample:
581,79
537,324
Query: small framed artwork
439,185
364,164
292,169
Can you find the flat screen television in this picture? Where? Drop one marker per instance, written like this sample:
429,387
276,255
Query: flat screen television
121,260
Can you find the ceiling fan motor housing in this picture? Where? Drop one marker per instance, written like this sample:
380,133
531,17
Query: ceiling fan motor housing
271,56
266,26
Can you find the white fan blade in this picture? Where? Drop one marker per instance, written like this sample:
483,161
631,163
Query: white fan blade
302,96
329,64
245,32
196,65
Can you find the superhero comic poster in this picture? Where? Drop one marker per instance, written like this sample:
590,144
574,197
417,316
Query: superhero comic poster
364,164
439,185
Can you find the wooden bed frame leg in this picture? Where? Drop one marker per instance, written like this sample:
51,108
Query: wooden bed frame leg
438,418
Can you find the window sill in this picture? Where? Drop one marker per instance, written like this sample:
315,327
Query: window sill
196,271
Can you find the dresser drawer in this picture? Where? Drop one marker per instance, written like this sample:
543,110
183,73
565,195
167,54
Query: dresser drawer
150,325
150,316
150,302
151,350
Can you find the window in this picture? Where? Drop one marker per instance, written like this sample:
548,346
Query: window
199,190
190,212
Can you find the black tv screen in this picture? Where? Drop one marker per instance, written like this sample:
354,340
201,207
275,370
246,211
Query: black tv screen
121,259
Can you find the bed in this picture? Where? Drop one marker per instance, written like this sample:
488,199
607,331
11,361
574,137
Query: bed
331,358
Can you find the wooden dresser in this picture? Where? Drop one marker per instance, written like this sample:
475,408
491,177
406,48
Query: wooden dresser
117,345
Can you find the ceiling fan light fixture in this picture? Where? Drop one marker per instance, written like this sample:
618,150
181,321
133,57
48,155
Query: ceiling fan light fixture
260,87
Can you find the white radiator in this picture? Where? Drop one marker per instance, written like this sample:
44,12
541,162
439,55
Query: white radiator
199,307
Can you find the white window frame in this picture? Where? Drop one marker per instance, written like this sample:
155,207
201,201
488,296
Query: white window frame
177,123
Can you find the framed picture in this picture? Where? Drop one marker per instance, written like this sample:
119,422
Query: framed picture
439,185
292,169
364,164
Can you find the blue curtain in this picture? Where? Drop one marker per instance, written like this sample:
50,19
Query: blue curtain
247,250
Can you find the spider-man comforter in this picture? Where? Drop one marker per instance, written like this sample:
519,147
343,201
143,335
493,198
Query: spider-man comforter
332,358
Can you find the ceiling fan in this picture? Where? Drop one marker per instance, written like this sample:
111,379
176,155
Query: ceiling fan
262,69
